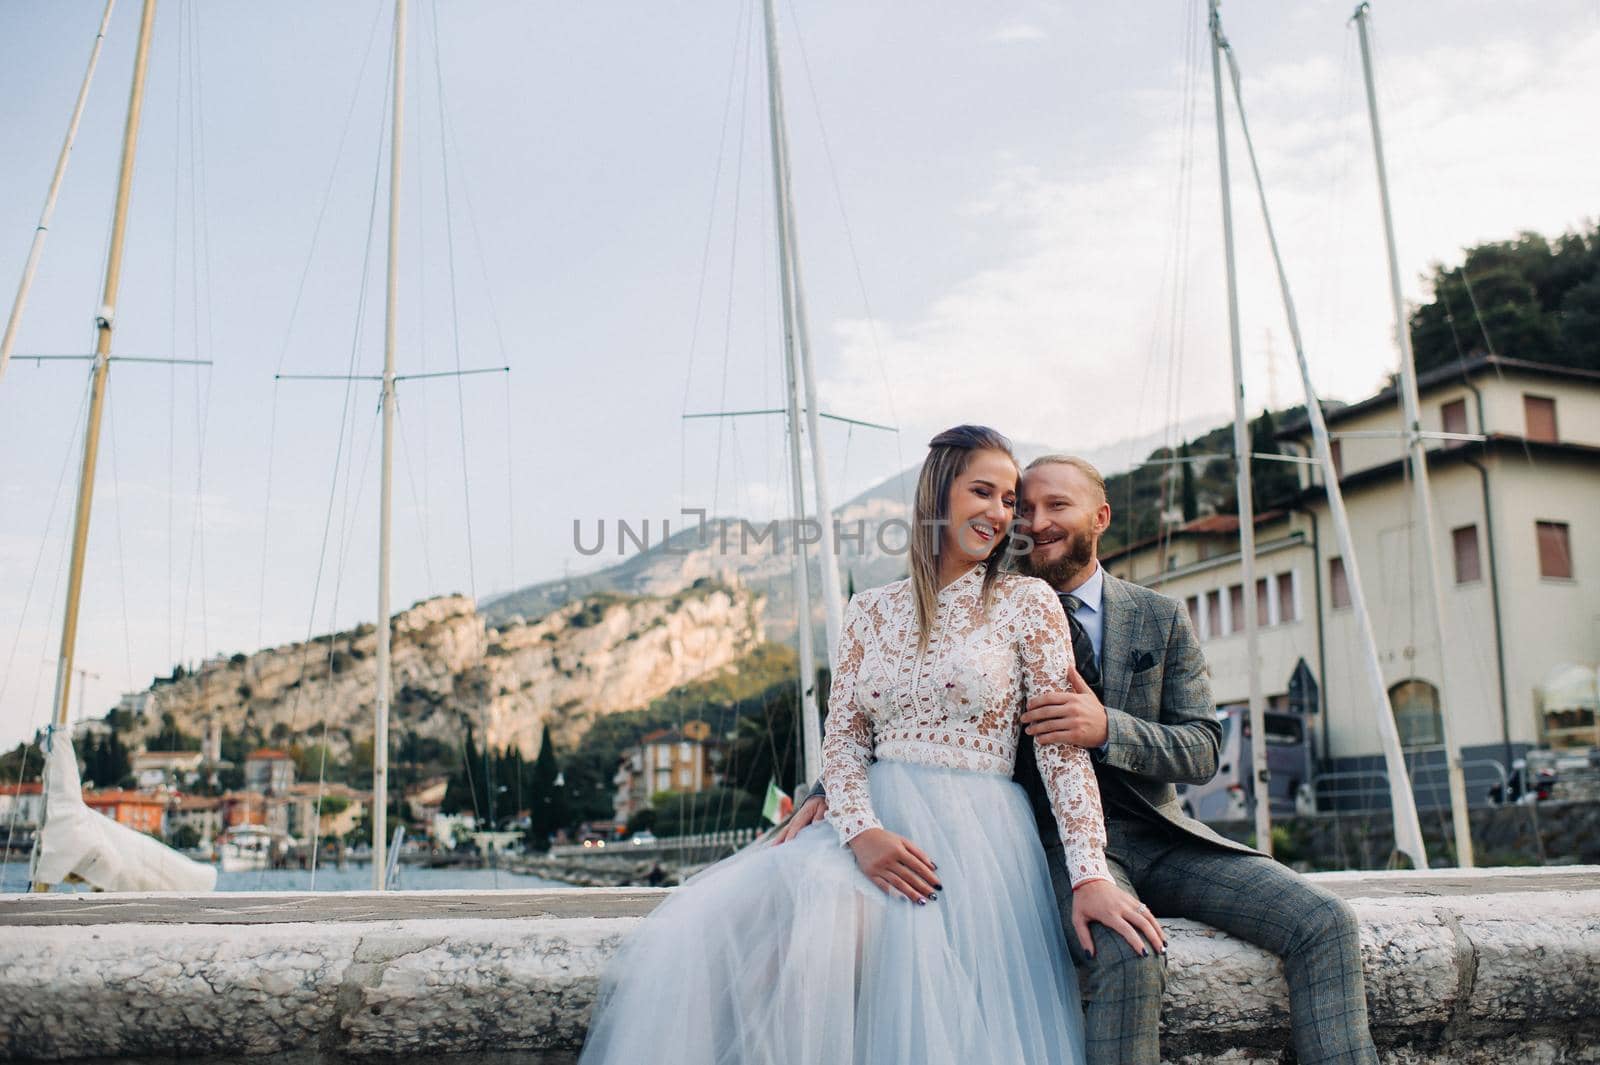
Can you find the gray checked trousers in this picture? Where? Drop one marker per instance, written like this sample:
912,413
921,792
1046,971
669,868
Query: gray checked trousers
1247,896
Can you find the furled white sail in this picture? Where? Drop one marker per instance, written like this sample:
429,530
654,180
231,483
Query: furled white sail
78,841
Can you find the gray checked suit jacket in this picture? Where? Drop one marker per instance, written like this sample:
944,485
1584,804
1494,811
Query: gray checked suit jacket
1161,720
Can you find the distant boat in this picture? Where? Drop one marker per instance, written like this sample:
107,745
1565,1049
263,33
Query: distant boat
246,848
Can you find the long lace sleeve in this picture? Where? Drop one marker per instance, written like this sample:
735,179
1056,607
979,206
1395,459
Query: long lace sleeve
1045,647
848,738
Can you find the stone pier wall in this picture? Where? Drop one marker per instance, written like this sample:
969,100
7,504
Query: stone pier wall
1497,966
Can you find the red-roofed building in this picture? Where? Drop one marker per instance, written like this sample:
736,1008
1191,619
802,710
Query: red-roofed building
269,771
22,805
137,810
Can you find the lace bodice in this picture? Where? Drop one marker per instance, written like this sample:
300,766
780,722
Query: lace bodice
958,703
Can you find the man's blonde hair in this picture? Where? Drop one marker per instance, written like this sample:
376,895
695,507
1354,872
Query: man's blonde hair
1082,465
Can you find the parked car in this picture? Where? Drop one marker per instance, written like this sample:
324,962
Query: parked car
643,839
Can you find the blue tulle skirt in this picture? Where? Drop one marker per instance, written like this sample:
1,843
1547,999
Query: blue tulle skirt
790,956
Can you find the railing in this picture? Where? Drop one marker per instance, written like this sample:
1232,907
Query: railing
1366,791
701,845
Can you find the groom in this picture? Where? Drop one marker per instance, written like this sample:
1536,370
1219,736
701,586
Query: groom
1148,722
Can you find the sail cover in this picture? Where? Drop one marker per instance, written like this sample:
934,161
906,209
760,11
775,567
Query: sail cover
76,840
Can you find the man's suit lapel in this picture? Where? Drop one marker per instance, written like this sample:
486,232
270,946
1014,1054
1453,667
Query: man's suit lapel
1116,645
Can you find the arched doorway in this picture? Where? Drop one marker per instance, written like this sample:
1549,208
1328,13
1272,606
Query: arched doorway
1415,704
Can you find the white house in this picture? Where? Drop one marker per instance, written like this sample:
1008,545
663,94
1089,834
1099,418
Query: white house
1517,525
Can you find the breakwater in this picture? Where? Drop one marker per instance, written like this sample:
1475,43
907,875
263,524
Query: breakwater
1462,967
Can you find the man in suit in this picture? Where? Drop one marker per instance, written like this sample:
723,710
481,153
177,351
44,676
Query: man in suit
1145,713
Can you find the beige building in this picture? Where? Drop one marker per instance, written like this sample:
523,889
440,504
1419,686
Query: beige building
665,760
341,807
1517,524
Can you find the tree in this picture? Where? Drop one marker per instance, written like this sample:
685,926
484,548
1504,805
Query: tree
548,809
1529,299
464,793
21,763
1270,482
1191,508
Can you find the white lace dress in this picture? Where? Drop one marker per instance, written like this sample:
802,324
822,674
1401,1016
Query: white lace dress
790,955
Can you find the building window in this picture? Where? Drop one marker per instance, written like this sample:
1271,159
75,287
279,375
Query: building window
1214,613
1336,448
1286,603
1453,416
1236,608
1416,713
1338,584
1263,603
1540,415
1555,550
1193,603
1468,566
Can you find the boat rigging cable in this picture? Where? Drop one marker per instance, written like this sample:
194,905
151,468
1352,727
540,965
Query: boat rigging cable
1407,829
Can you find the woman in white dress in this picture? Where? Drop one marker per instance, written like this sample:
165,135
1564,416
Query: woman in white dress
918,923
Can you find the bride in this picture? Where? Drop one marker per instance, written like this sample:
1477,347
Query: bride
918,923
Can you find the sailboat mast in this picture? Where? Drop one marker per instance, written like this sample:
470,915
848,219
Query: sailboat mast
810,718
104,323
380,739
832,594
1261,795
1407,828
1418,456
37,248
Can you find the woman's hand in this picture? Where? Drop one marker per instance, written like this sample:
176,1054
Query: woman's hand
814,809
896,865
1124,914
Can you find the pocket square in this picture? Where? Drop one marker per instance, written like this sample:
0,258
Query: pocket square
1143,660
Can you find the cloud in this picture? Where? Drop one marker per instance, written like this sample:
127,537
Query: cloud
1067,334
1018,33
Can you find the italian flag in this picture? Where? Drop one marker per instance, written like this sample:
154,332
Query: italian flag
779,805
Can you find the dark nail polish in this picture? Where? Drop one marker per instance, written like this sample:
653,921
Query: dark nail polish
922,902
934,897
1145,953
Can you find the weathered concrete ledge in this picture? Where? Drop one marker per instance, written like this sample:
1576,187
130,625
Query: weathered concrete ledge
1496,966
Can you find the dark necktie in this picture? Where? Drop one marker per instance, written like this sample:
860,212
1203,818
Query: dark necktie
1082,646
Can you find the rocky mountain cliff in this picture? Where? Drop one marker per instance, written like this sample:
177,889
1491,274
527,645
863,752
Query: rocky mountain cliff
590,657
727,549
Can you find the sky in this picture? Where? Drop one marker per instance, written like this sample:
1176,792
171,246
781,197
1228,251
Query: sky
1006,213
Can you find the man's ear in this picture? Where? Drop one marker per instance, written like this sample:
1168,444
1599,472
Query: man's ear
1103,519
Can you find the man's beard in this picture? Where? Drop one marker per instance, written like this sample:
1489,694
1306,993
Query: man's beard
1074,560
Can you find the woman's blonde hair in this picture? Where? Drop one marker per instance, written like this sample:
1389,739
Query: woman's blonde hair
949,455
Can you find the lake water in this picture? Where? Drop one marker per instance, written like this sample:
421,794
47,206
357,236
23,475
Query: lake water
14,877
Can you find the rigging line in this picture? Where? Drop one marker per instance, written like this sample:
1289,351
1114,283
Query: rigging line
122,558
294,310
68,454
316,813
416,503
705,250
716,184
1184,211
447,133
1165,292
200,204
327,193
5,676
511,492
345,406
733,258
455,317
849,236
266,518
